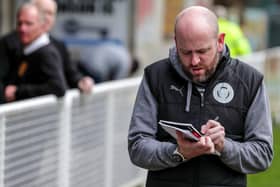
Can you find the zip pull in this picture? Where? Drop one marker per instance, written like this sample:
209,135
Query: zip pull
201,92
202,98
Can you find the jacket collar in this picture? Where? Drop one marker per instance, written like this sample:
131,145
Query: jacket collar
41,41
176,64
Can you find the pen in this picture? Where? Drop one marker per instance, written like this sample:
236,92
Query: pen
216,118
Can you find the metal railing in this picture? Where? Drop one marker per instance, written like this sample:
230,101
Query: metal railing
75,141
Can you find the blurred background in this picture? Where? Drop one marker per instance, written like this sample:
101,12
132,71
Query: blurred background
145,28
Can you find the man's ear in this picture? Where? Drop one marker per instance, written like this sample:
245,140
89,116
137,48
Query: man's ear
221,41
175,40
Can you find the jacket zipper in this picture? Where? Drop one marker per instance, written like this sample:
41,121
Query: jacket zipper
202,99
201,92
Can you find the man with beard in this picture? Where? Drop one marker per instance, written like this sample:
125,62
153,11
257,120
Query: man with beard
198,82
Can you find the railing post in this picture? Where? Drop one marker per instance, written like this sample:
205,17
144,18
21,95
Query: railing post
109,140
65,140
2,149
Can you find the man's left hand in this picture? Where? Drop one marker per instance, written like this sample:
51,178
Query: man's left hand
86,84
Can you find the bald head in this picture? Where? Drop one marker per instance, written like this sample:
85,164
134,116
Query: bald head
49,8
196,19
198,42
44,4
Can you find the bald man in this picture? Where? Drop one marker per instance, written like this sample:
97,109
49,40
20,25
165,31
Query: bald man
200,84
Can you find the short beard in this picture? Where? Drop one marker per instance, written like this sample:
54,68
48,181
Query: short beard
208,74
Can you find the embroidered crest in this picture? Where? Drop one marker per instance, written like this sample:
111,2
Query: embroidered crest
180,90
223,92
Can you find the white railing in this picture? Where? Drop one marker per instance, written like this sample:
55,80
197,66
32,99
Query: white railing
75,141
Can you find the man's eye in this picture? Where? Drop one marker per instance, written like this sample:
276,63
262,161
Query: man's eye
186,52
202,51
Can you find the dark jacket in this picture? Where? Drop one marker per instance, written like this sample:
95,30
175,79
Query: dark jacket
203,170
39,73
235,93
70,67
10,50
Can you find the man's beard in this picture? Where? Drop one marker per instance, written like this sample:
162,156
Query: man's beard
203,78
208,73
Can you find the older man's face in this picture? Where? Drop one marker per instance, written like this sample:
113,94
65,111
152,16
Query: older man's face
29,25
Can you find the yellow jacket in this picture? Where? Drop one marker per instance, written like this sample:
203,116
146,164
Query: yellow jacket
235,39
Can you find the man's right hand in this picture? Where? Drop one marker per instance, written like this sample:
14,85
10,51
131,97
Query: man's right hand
10,93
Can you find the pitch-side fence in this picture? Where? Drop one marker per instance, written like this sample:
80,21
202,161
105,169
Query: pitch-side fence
75,141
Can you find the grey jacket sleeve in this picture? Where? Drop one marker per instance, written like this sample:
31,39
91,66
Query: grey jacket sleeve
144,150
256,152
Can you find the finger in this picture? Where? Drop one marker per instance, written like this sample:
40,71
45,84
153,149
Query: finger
202,140
213,128
216,131
210,145
218,137
208,141
203,129
212,123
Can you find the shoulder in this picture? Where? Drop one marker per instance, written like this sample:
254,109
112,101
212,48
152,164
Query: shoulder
50,48
10,40
245,70
58,43
246,76
47,53
158,66
11,36
161,72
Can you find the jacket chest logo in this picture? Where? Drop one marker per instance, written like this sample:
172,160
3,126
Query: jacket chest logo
180,90
223,92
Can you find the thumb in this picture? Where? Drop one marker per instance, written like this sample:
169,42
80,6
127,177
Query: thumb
180,136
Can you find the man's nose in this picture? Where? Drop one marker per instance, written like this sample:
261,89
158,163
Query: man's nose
195,59
21,28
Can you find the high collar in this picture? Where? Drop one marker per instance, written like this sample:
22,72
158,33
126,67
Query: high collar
176,64
41,41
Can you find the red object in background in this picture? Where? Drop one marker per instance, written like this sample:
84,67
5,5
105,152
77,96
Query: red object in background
144,9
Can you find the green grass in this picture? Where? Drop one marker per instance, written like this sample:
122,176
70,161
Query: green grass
270,177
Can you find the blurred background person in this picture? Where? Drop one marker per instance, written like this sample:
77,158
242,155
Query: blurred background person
235,38
38,70
108,60
75,79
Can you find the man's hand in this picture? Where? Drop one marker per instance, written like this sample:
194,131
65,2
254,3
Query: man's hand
216,132
86,84
10,93
190,149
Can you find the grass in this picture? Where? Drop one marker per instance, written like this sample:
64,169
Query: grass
271,177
